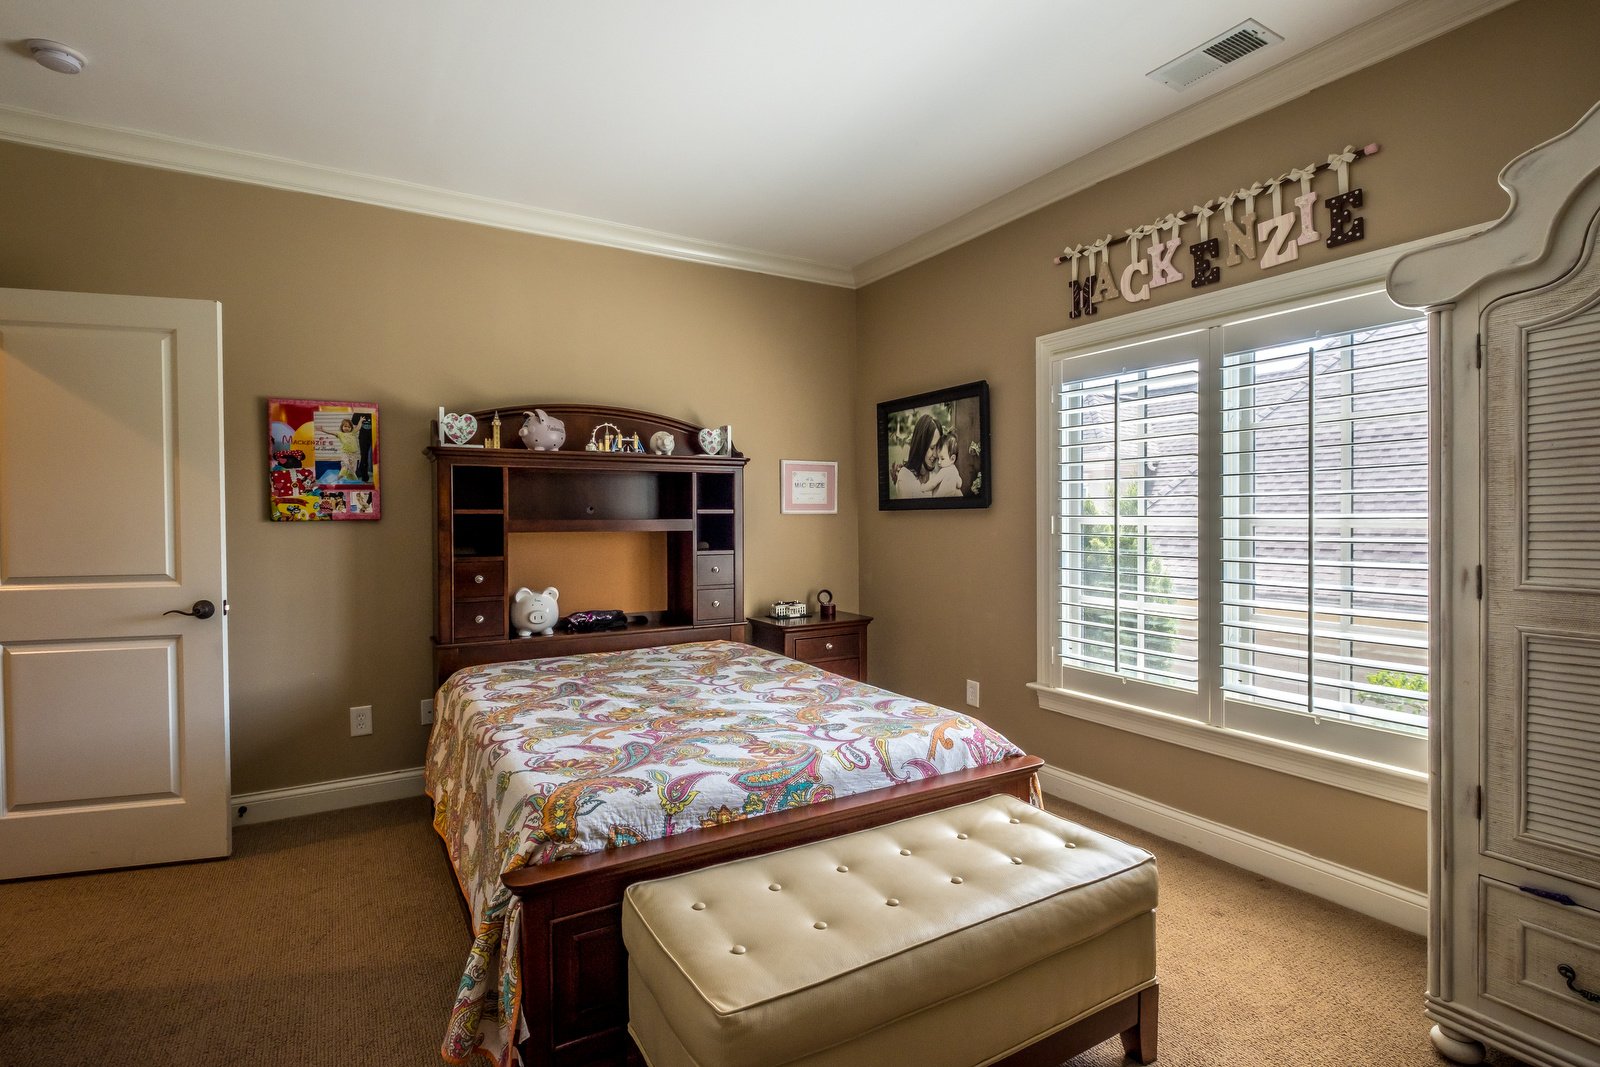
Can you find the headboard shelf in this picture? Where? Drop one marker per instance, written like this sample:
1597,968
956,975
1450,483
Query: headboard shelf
506,517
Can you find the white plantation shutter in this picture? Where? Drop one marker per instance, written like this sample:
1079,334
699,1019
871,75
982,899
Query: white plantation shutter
1325,524
1129,509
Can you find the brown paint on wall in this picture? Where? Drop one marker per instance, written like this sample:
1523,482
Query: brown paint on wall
1449,114
326,298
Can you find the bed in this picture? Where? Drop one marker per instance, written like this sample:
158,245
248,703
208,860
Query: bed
557,782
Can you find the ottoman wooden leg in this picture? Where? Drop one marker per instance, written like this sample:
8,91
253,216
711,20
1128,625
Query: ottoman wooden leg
1139,1040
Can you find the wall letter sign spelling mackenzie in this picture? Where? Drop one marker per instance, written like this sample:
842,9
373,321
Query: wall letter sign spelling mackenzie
1269,239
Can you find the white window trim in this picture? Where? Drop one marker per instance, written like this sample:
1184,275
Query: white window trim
1397,784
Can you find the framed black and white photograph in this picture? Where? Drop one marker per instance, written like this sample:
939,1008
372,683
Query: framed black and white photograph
933,450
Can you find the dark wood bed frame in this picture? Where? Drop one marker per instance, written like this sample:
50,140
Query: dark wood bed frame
574,987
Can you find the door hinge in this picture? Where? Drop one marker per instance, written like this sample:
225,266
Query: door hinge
1480,581
1478,804
1478,362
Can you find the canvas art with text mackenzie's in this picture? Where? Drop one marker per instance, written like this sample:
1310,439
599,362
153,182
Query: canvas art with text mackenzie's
322,458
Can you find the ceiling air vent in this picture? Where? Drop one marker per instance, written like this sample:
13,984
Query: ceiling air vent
1247,37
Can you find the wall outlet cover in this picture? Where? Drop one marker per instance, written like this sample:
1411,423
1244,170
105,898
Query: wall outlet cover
361,721
427,711
972,692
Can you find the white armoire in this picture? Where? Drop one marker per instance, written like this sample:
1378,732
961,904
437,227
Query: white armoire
1514,895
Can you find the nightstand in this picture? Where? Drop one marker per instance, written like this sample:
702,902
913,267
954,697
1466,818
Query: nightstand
838,644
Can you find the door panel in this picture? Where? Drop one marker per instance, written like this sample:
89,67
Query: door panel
55,697
87,435
113,712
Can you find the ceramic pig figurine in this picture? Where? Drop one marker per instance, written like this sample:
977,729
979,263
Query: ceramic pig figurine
533,613
540,432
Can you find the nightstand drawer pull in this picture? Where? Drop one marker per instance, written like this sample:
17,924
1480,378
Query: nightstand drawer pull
1572,976
828,646
478,619
477,579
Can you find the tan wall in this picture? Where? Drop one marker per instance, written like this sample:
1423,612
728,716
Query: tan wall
954,592
323,298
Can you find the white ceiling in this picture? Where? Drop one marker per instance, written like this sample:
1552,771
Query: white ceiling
814,133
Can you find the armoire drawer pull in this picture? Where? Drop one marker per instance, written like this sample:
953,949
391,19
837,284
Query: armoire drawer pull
716,603
1572,977
829,646
1548,894
477,618
716,570
477,579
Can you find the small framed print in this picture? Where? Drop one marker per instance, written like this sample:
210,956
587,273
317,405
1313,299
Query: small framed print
322,460
810,487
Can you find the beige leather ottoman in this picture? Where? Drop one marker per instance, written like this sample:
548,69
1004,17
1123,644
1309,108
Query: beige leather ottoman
963,937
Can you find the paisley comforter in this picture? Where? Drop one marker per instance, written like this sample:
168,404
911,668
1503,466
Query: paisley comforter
537,760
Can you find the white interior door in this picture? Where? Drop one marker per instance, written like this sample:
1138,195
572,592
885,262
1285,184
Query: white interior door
113,712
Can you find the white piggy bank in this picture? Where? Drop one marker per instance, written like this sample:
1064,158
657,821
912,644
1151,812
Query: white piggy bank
541,432
533,613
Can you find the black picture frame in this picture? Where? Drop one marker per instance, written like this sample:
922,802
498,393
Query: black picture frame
961,479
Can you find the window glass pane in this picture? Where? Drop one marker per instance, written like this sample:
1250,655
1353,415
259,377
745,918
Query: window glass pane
1129,596
1325,520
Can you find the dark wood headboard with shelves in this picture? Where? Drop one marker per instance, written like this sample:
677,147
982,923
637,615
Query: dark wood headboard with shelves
490,501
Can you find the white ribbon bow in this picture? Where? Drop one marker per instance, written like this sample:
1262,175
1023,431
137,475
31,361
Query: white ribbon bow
1341,161
1202,213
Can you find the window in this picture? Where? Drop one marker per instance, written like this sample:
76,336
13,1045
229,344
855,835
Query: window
1235,526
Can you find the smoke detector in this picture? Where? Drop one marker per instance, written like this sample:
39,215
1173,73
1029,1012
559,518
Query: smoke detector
53,55
1249,36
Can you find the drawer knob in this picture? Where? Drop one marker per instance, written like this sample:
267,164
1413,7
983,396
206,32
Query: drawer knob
1572,976
716,570
828,646
716,603
477,618
477,579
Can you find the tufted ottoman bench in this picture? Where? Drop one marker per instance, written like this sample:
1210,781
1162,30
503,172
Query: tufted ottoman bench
979,934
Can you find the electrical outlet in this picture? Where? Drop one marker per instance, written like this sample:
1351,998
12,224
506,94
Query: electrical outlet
427,712
361,720
972,693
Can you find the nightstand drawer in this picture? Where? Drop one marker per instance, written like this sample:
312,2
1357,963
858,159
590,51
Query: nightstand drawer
480,618
829,646
485,578
1538,953
849,668
713,568
715,605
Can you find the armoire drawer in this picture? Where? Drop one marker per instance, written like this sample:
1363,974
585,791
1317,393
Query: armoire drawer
1528,942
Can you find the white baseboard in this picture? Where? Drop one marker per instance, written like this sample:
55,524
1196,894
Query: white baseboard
325,796
1390,902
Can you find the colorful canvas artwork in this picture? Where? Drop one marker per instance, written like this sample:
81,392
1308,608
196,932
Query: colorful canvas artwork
322,460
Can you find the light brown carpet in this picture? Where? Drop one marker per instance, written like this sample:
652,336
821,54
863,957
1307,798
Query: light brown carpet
337,940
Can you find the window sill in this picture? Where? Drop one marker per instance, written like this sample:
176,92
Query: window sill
1394,784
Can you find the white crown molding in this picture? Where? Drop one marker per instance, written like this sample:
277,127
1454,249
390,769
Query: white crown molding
274,804
1387,901
192,157
1388,35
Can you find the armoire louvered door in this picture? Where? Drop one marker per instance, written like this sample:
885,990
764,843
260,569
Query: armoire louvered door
1514,729
1542,577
